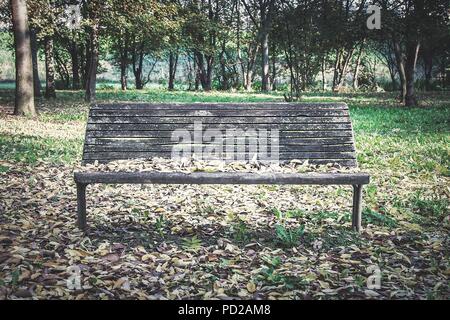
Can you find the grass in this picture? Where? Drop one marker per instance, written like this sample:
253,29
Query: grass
33,149
431,207
379,219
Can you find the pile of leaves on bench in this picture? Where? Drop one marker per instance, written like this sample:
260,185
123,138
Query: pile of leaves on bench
194,165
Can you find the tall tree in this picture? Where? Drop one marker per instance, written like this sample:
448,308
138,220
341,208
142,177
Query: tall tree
50,88
261,13
202,28
247,46
298,38
407,24
94,8
173,62
43,20
34,56
24,100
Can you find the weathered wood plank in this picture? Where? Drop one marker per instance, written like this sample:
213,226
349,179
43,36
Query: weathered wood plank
350,163
223,106
242,147
221,178
165,140
221,113
150,154
219,126
217,120
168,134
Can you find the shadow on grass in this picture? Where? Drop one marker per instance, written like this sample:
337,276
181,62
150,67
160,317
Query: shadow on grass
148,234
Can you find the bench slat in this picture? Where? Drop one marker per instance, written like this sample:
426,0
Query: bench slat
166,140
142,154
340,162
168,134
169,147
214,120
221,178
220,126
220,113
220,106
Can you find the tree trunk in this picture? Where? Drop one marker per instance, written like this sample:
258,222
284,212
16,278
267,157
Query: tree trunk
223,68
428,67
86,61
204,73
173,62
124,64
62,70
82,61
273,83
91,79
34,51
197,74
138,82
336,69
343,70
394,82
323,73
138,63
123,75
238,43
357,66
265,78
248,80
412,52
401,70
74,55
209,70
249,69
138,74
24,99
50,91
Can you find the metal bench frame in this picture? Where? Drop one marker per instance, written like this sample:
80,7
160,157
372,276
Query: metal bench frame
83,179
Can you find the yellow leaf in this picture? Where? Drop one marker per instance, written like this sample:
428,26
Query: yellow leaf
324,285
77,253
251,287
148,256
122,283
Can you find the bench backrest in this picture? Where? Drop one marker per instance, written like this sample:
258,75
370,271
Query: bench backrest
320,133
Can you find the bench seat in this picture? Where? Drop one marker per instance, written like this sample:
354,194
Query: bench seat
221,178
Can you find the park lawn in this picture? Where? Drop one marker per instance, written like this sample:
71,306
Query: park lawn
216,242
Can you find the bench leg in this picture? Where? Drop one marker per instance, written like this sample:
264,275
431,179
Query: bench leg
81,205
357,207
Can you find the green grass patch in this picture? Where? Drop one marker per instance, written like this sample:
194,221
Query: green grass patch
372,217
430,207
33,149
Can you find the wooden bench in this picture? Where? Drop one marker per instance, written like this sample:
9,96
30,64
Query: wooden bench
320,133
